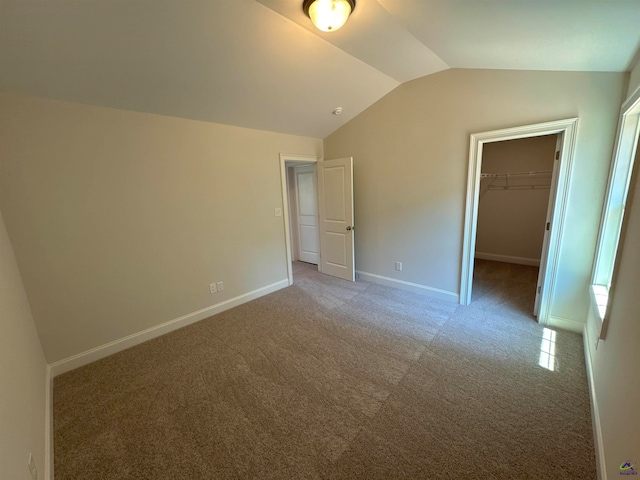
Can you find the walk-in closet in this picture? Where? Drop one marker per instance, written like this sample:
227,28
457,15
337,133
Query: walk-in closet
515,184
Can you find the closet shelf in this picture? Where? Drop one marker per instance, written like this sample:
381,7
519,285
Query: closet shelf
543,173
516,180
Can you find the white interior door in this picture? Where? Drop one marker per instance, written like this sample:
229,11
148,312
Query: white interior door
307,211
548,227
335,194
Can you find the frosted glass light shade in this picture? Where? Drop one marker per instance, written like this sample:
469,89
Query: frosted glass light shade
329,15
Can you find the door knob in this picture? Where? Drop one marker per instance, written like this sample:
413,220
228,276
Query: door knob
350,228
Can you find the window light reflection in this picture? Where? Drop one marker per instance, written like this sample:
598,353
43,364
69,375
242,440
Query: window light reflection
548,350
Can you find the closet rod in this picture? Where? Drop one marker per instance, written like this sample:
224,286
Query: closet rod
517,174
519,187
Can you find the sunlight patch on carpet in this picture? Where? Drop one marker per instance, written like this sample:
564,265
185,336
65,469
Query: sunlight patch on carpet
548,350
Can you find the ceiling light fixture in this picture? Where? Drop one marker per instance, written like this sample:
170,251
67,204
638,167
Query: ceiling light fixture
328,15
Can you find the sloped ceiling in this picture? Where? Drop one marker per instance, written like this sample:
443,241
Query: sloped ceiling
261,64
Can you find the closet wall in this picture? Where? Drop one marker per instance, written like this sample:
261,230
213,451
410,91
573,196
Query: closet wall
512,210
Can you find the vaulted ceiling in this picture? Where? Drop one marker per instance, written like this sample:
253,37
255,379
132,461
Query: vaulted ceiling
261,64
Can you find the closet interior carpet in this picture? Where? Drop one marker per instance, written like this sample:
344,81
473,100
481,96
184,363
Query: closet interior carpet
329,379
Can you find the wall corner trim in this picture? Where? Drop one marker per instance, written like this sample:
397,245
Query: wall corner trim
595,415
409,286
110,348
48,425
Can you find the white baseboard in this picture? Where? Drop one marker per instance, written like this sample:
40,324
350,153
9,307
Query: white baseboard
409,286
535,262
565,324
595,414
110,348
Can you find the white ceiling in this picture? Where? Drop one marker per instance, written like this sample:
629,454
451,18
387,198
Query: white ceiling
581,35
261,64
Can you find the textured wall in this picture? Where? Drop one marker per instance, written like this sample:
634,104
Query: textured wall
22,374
121,220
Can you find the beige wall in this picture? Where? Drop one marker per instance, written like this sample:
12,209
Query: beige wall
615,361
411,153
511,222
634,79
120,220
22,374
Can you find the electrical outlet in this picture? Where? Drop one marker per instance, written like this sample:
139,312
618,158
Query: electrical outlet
220,286
278,212
213,288
399,266
32,467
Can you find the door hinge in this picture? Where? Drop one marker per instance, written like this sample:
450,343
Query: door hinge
558,155
548,226
539,289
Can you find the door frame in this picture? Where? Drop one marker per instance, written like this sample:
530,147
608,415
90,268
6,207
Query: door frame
548,219
287,158
295,218
568,129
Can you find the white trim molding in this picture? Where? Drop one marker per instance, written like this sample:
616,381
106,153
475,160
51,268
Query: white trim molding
534,262
409,286
565,324
110,348
595,414
568,129
614,218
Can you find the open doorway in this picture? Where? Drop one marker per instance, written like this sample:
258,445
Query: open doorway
303,218
565,132
303,213
514,202
300,197
330,236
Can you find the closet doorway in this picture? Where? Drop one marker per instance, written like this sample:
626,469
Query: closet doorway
478,180
513,212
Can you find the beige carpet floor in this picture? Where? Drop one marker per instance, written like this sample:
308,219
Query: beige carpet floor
330,380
